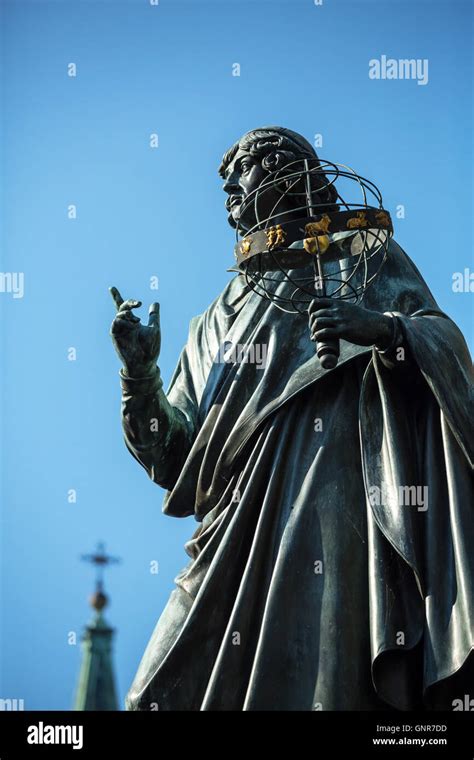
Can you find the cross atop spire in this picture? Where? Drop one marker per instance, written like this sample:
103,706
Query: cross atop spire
100,559
96,687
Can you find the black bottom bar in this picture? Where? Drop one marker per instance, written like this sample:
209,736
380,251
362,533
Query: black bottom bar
324,735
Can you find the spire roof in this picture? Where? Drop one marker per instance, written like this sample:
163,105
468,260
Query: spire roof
96,686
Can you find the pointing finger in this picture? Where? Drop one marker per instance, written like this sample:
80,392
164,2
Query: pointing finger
116,296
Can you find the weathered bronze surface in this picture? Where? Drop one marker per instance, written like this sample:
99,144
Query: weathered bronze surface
333,565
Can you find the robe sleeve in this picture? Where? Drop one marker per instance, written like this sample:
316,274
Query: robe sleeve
159,428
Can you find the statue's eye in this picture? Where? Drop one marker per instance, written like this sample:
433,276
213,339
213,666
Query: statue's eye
245,167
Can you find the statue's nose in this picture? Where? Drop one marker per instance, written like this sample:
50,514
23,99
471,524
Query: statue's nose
231,184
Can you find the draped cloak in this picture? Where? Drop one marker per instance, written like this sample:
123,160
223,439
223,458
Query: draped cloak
303,592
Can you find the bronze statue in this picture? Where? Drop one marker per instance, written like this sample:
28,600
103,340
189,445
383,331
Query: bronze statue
332,567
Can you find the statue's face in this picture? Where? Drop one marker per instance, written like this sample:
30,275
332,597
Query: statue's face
243,176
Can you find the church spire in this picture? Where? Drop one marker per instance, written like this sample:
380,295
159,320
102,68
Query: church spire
96,686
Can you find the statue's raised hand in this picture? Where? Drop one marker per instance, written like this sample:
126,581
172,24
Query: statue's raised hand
137,345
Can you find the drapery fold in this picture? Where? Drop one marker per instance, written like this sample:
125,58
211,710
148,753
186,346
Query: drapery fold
302,592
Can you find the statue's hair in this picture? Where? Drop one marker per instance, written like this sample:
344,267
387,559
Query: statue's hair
260,142
264,142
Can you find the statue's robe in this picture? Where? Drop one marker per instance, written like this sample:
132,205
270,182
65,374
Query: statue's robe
303,591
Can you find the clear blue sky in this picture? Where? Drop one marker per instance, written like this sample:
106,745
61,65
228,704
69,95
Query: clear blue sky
142,212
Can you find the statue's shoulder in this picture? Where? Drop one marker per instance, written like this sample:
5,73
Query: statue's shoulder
231,299
223,309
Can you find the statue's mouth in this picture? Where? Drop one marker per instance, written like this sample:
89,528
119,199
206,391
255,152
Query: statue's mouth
234,200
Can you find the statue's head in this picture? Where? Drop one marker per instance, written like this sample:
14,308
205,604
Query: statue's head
250,161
